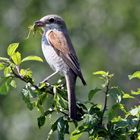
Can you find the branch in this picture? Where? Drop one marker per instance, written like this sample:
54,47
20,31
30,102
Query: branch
19,76
105,102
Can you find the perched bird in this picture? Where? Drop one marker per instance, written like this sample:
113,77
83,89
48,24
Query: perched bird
60,55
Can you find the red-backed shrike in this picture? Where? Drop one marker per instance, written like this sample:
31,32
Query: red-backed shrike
60,55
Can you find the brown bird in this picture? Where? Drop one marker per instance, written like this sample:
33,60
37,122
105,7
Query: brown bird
60,55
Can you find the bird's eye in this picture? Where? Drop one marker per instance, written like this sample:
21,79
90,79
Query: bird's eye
51,20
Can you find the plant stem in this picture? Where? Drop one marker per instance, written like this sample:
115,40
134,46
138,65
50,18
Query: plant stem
105,102
19,76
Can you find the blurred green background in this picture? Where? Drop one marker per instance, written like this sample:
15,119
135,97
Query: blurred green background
105,34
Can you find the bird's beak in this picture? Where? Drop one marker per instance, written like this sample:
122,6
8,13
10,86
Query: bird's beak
39,23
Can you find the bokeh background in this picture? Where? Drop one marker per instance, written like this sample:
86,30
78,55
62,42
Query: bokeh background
105,34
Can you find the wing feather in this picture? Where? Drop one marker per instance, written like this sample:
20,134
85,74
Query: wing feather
63,47
58,40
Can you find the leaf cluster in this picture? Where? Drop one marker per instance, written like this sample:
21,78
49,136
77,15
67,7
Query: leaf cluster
96,120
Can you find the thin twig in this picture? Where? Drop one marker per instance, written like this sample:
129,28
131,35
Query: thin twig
105,102
19,76
63,113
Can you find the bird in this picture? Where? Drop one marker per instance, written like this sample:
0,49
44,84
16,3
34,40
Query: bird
60,54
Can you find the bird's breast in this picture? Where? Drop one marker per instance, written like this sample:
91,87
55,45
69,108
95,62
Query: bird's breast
53,59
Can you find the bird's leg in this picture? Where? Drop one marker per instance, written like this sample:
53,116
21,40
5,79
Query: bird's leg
47,78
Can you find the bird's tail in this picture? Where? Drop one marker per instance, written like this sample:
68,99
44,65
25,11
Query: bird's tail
82,79
70,82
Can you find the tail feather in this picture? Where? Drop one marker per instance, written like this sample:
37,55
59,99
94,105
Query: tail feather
82,79
70,82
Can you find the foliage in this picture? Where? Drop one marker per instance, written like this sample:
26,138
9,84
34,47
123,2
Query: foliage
99,122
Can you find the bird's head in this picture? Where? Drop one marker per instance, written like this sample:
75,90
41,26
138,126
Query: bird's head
51,22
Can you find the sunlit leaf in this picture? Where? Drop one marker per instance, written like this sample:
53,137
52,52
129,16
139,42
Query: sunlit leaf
16,57
117,119
32,58
12,48
135,92
138,136
13,83
26,72
75,136
1,66
7,71
127,96
135,75
102,73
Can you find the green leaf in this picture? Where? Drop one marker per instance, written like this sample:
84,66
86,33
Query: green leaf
92,93
7,72
1,66
13,83
138,138
12,48
53,128
95,110
26,72
102,73
5,85
16,57
127,96
117,119
134,75
60,102
116,93
135,92
121,107
32,58
113,112
75,137
41,98
41,121
26,94
135,111
62,128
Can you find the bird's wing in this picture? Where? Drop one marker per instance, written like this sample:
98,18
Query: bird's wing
64,48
